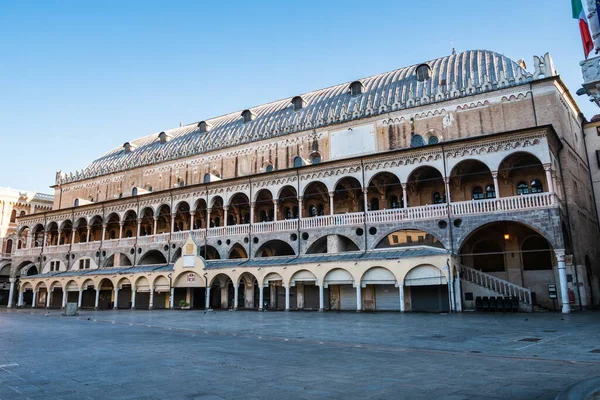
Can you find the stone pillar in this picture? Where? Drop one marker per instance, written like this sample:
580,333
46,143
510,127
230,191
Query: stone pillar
447,186
562,277
331,194
133,291
30,238
273,297
548,169
287,298
248,295
300,207
172,298
34,300
207,300
121,229
458,294
48,298
64,298
72,235
358,298
261,297
299,296
192,214
154,227
116,302
11,292
275,206
138,227
404,196
87,236
366,199
20,299
80,298
321,298
104,231
172,223
97,302
225,296
225,211
496,185
252,205
235,296
401,291
58,239
151,305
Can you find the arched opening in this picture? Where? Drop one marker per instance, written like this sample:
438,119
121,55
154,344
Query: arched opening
4,284
182,217
96,229
264,207
239,210
275,248
342,293
117,260
81,229
8,248
417,141
237,251
52,234
316,200
425,186
56,294
380,290
105,298
348,196
38,235
467,180
409,238
209,253
288,203
112,227
216,212
123,299
427,288
152,257
163,221
221,292
332,244
248,291
66,232
273,292
13,216
129,224
147,221
521,174
385,192
200,215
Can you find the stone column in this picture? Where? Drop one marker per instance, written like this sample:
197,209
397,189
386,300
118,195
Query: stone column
562,277
104,231
20,299
261,297
235,296
151,305
548,169
64,298
72,235
447,186
138,227
133,291
80,298
58,239
121,223
225,297
192,214
154,227
208,211
11,292
97,302
172,223
34,300
321,298
87,236
116,302
275,206
48,298
225,211
458,294
300,207
252,205
404,196
401,291
248,295
496,185
366,199
30,238
331,194
299,295
207,300
287,298
358,298
171,298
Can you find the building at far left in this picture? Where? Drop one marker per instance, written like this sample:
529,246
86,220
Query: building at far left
15,203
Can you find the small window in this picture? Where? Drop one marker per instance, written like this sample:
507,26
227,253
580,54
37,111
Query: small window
433,140
522,188
315,158
134,191
536,186
490,192
423,72
356,88
206,178
204,126
269,168
13,216
298,103
477,193
298,162
163,137
417,141
598,157
81,264
247,116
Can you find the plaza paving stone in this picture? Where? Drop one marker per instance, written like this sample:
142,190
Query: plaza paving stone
222,355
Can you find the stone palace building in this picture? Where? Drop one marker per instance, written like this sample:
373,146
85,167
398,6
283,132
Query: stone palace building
426,188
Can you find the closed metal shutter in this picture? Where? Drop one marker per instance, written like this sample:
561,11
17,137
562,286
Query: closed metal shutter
159,300
88,299
387,298
124,300
430,298
311,297
142,300
347,297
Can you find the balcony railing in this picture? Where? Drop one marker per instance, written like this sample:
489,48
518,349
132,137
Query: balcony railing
434,211
5,255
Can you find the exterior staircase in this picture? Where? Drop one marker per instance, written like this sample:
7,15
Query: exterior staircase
489,285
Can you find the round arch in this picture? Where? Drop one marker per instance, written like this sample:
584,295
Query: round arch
338,276
303,275
237,251
275,248
152,257
378,276
271,277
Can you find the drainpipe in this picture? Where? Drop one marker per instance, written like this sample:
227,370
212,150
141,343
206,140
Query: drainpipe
251,222
362,166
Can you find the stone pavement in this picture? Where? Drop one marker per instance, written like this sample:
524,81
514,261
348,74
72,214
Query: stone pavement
295,355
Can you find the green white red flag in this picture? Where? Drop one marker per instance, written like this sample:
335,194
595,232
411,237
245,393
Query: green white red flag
586,37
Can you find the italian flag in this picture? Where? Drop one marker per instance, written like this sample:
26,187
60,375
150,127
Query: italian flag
586,37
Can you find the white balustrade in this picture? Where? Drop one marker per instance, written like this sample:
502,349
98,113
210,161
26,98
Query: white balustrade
275,226
513,203
199,234
410,213
63,248
216,231
495,284
179,236
85,246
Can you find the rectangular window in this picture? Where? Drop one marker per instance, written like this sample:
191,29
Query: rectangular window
87,263
80,264
598,157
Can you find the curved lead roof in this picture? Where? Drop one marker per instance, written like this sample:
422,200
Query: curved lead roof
456,75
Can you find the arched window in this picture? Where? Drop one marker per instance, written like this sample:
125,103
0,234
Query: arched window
320,209
22,213
374,204
394,202
417,141
247,116
13,216
312,211
536,186
134,191
522,188
298,103
9,245
356,88
433,140
423,72
490,192
269,168
206,178
477,193
298,162
437,198
315,158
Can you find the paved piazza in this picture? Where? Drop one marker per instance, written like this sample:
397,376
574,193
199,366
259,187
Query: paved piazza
197,355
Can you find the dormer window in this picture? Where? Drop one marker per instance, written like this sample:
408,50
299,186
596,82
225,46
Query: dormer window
298,103
163,137
128,147
356,88
248,116
423,72
204,126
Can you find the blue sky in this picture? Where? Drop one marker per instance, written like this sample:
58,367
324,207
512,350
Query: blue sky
78,78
